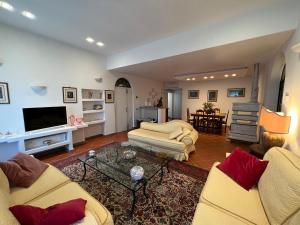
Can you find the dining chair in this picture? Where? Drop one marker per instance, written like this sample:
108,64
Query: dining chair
188,115
217,110
224,122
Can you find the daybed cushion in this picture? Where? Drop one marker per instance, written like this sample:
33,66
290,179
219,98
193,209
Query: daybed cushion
156,139
4,184
72,191
182,124
165,128
185,132
222,192
279,186
207,215
51,179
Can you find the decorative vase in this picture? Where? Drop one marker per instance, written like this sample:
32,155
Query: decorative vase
137,173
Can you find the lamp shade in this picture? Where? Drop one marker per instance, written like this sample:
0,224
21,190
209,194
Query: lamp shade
274,122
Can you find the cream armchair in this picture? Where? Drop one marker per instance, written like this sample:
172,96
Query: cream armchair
175,138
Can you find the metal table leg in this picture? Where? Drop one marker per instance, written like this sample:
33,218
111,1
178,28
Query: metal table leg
84,166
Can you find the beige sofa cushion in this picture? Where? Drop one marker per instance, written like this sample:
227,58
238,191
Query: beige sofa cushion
223,193
207,215
51,179
182,124
185,132
156,139
279,186
165,128
4,184
175,133
6,217
71,191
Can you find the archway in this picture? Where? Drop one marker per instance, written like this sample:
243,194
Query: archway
123,105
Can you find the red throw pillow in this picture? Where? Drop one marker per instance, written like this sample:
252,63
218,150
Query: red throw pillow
243,168
60,214
23,170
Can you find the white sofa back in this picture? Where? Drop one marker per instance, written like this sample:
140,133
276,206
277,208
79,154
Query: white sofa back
279,187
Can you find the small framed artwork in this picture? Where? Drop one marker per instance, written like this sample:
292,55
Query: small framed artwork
70,94
193,94
236,92
4,93
212,96
109,96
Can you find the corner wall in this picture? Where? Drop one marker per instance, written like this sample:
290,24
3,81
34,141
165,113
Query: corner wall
30,59
291,96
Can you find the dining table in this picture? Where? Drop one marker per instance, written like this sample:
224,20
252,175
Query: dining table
206,121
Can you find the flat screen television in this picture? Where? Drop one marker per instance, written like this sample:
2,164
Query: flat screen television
39,118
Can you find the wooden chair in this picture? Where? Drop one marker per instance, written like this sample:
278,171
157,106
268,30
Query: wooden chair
224,122
217,110
188,116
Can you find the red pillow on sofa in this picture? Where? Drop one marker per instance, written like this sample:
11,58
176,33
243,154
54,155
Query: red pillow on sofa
60,214
23,170
243,168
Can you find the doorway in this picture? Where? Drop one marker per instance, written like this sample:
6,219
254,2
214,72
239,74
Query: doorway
281,89
123,105
174,100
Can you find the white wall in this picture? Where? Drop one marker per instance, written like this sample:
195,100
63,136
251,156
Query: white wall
30,59
223,102
291,96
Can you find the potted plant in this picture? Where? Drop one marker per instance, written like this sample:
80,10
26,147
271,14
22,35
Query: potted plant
208,107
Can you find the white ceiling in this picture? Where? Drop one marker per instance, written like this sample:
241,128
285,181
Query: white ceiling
227,57
123,24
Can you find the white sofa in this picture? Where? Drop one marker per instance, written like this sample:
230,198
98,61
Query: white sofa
50,188
276,200
160,138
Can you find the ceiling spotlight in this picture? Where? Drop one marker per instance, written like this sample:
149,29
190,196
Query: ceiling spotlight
100,44
90,40
234,75
226,75
188,79
205,78
211,77
28,14
193,78
6,6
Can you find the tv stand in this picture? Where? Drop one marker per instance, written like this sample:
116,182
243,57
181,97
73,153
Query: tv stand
42,140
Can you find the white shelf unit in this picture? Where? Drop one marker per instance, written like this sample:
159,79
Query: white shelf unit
93,111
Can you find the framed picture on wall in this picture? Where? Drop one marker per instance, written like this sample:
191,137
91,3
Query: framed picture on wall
212,96
236,92
70,95
193,94
4,93
109,96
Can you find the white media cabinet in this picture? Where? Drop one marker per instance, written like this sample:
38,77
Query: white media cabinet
41,140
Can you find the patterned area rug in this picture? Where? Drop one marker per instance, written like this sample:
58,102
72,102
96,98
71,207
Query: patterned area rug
171,203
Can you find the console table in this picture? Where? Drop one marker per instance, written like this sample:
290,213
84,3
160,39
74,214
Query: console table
36,141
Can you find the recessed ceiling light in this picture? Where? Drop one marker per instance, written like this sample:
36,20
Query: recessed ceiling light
234,75
6,6
205,78
193,78
211,77
226,75
90,40
100,44
28,14
188,79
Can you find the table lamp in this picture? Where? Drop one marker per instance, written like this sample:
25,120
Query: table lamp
275,124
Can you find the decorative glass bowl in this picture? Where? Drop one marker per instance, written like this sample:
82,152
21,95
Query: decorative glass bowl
129,154
137,173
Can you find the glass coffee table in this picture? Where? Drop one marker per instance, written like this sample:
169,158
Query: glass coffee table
112,163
